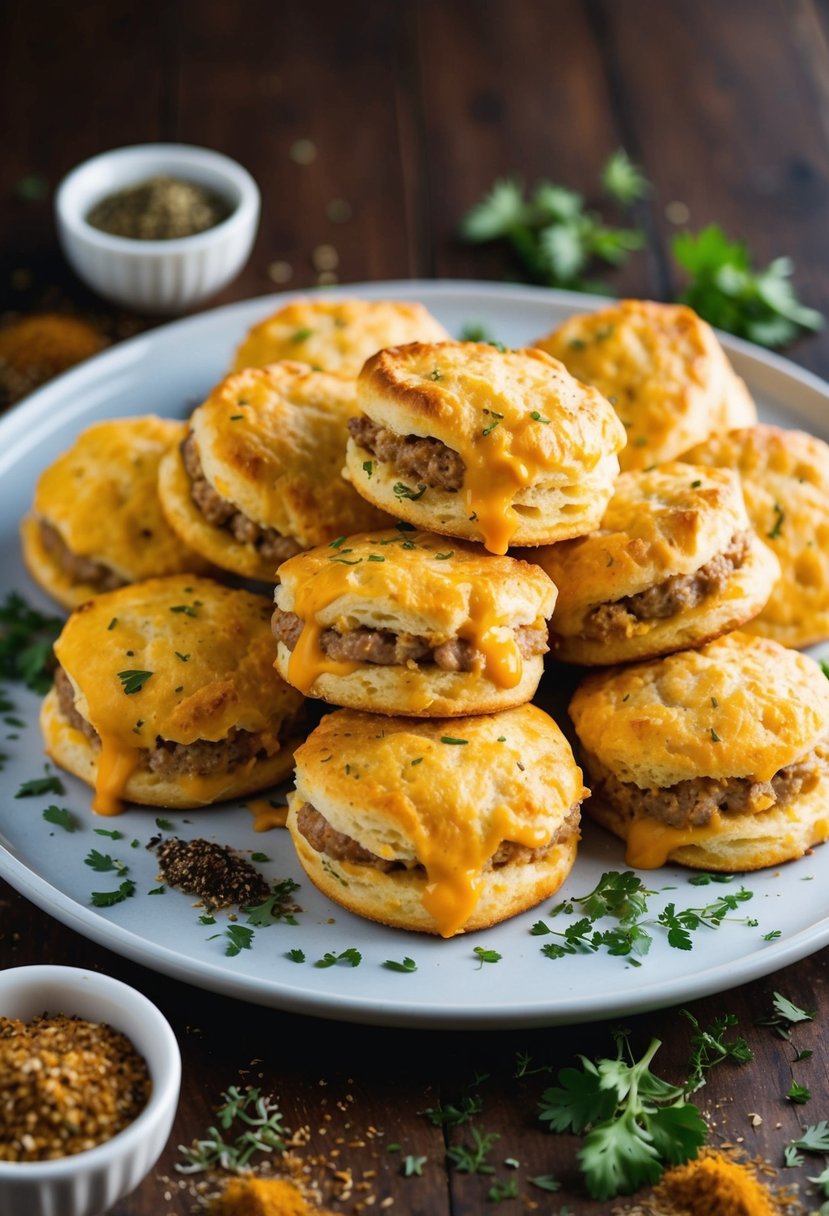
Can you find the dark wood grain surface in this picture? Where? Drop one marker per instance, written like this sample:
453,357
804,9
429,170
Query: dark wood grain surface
413,109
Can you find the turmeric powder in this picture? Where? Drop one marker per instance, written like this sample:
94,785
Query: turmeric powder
714,1185
264,1197
34,349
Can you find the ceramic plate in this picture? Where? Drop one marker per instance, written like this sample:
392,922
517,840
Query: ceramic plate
168,371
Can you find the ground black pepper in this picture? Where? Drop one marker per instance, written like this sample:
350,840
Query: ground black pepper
213,872
161,209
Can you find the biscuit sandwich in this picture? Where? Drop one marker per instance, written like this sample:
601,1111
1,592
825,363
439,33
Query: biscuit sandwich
662,368
402,622
486,444
717,759
96,521
336,335
674,564
785,476
258,475
437,826
165,694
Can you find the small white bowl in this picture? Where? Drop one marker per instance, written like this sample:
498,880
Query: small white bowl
89,1183
157,276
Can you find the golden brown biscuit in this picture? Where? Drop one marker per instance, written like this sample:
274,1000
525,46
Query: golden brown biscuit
259,476
464,439
674,564
715,758
662,368
438,826
404,622
336,335
785,477
96,522
166,695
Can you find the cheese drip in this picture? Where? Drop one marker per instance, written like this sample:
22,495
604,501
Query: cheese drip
331,582
650,840
454,859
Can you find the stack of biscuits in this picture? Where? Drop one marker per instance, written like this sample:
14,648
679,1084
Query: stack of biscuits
480,518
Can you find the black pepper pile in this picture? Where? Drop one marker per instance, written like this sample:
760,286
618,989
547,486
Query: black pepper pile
161,209
213,872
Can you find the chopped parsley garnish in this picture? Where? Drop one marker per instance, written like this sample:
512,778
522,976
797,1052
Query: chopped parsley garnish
260,857
301,335
239,938
278,908
413,1166
710,1048
376,557
408,964
102,863
26,638
715,738
536,417
106,899
473,331
164,825
368,468
186,609
455,742
444,557
132,680
296,955
496,418
61,817
41,785
351,957
403,491
798,1094
184,657
486,956
417,760
112,623
436,374
779,516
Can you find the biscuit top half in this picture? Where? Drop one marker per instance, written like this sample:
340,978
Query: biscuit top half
102,497
664,370
272,441
741,706
414,582
336,335
670,520
181,657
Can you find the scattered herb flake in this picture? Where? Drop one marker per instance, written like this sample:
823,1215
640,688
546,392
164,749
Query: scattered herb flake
61,817
41,785
132,680
408,964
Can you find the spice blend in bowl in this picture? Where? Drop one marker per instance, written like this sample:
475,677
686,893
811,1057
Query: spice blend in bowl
66,1085
160,209
84,1059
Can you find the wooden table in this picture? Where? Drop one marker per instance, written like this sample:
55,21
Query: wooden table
413,109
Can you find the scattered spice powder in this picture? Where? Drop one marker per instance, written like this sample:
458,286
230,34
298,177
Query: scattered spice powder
715,1185
160,209
215,873
34,349
264,1197
66,1085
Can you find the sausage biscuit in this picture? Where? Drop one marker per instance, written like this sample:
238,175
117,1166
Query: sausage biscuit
785,476
664,371
468,440
674,564
336,335
166,695
404,622
438,826
258,476
716,758
96,522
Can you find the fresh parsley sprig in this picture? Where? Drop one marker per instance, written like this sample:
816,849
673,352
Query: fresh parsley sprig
262,1132
553,236
727,291
26,639
637,1122
710,1048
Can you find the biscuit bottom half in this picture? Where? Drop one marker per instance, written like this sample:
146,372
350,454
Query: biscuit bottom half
721,824
172,775
391,892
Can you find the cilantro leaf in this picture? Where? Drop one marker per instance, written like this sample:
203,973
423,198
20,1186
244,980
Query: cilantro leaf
61,817
26,637
40,785
106,899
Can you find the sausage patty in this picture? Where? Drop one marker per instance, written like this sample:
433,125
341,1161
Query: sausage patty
221,513
666,599
429,460
691,803
78,568
201,758
386,648
323,838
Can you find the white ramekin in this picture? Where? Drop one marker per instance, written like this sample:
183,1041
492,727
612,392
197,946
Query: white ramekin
88,1183
157,276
